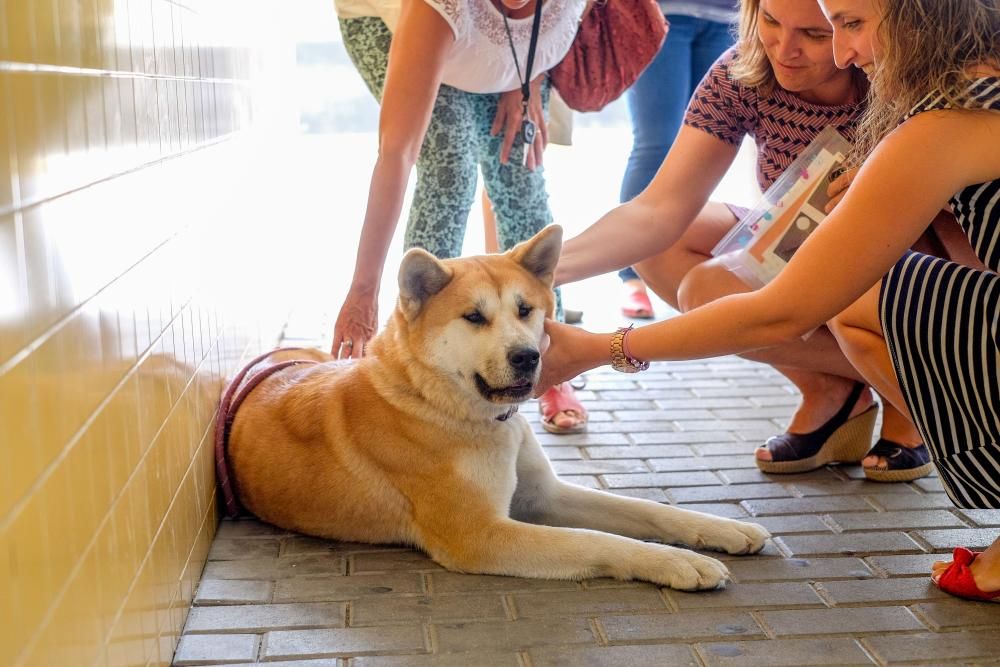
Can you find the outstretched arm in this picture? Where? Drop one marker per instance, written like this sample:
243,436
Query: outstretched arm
656,218
901,187
416,60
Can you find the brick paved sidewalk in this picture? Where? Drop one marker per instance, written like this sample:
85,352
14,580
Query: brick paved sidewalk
843,582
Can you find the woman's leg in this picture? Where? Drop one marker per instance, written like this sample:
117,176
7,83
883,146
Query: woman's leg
859,333
686,276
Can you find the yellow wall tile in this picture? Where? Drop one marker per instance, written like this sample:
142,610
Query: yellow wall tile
113,343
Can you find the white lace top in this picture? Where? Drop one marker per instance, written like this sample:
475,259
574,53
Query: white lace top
480,60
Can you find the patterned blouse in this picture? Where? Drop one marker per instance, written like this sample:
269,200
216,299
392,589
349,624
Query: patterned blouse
781,124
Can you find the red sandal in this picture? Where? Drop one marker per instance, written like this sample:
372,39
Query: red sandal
957,578
560,400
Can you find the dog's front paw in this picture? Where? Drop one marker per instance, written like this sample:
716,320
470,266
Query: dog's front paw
685,570
729,535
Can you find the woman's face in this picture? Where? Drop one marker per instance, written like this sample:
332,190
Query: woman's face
855,32
797,39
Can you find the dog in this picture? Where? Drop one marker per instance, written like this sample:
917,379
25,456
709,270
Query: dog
419,443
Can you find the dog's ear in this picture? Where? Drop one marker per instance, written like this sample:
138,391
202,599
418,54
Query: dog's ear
421,276
540,253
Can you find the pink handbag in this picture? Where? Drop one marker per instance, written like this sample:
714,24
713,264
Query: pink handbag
616,41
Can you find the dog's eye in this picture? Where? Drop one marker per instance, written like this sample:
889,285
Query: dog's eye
524,310
475,317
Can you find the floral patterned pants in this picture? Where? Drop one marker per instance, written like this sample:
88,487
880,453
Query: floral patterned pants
457,142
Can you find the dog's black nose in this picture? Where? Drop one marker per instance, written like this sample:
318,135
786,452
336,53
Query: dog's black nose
523,359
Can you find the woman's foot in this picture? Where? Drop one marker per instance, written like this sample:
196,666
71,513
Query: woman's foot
899,455
820,402
561,411
636,304
970,574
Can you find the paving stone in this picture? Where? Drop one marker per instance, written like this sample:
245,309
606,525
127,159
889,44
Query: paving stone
263,617
439,608
788,399
779,412
233,591
634,428
656,495
282,644
704,403
798,569
513,634
737,492
848,543
930,484
914,501
679,464
653,394
476,659
303,589
740,392
688,626
815,505
840,621
850,487
244,548
900,590
787,652
663,414
320,662
738,425
638,451
952,646
301,545
661,479
772,594
589,602
213,649
587,439
563,453
615,406
751,475
955,614
981,517
905,565
702,439
725,510
720,447
230,529
609,656
453,582
274,568
896,520
974,538
599,467
392,561
783,525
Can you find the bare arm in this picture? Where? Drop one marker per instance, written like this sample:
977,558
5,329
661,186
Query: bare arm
899,190
658,216
413,77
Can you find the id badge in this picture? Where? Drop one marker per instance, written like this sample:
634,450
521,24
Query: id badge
528,131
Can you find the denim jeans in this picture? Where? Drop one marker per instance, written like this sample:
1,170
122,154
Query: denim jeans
658,99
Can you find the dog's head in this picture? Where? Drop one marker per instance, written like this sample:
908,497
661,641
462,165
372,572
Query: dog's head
477,321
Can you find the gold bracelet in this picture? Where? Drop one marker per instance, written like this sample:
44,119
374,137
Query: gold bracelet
621,361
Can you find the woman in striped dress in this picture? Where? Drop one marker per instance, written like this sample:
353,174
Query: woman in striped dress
933,323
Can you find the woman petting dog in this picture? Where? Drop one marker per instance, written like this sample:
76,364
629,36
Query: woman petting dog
461,85
922,330
781,86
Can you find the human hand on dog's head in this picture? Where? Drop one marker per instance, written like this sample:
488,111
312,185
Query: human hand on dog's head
356,324
568,351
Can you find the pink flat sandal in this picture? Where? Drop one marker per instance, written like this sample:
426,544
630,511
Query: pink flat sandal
558,400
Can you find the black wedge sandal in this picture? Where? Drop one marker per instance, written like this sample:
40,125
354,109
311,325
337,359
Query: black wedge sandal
842,439
902,464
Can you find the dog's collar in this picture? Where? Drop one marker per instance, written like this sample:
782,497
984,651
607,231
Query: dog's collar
507,415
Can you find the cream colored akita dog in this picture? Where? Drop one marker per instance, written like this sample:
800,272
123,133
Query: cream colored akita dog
412,445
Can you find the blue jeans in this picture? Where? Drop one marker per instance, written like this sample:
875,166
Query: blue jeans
658,99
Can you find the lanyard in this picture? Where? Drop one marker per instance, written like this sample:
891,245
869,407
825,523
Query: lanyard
528,128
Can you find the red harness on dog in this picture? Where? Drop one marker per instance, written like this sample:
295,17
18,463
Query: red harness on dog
237,391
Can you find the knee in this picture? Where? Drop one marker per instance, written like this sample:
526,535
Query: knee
703,284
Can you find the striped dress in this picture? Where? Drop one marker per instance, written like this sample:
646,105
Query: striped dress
942,324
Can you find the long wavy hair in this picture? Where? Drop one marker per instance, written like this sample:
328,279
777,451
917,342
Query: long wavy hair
751,66
927,46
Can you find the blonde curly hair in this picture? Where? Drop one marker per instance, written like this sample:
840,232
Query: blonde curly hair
927,46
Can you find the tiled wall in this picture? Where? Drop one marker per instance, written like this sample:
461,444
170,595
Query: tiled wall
125,131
